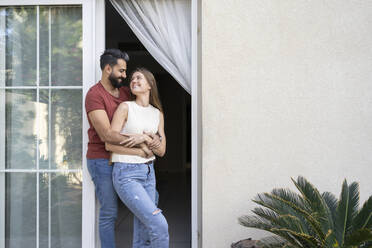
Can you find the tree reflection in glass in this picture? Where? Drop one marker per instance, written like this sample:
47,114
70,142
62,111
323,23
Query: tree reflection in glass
20,37
21,130
43,125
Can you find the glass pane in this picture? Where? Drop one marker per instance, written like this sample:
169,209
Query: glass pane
20,210
44,129
49,118
66,201
61,118
66,38
20,40
44,45
43,210
21,129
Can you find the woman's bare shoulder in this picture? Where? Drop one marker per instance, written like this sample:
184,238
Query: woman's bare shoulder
123,106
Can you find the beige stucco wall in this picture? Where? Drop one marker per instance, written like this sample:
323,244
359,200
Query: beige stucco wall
286,91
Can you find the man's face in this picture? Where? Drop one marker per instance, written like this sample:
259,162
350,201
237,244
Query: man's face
118,74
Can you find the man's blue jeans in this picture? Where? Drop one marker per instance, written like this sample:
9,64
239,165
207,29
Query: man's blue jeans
135,185
101,173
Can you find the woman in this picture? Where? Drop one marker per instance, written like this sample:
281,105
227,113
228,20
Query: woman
133,175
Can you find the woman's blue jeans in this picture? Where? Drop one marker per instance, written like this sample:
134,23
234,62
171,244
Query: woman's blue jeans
135,185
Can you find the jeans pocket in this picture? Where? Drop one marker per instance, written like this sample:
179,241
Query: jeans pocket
125,176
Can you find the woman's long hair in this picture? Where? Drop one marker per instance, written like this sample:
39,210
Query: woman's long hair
154,94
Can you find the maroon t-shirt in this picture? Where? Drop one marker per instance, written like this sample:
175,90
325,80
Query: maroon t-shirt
98,98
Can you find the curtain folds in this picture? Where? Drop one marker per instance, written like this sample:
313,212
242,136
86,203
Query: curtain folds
164,28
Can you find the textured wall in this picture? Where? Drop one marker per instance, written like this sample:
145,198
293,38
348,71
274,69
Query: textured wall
287,91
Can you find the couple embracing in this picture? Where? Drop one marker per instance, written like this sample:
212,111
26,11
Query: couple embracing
126,127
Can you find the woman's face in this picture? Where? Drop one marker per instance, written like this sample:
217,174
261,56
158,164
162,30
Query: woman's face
139,84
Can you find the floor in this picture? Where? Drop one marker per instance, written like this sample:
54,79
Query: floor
175,201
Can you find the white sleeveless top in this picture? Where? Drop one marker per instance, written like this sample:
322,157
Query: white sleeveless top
140,119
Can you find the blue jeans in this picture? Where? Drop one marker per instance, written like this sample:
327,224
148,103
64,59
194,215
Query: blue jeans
101,173
135,185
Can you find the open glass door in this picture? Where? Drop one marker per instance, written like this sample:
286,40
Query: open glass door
41,124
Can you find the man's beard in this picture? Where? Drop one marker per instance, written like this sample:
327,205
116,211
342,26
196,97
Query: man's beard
114,81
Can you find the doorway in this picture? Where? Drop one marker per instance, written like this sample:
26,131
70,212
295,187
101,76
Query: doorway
173,171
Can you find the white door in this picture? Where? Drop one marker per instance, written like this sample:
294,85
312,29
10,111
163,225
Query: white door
46,65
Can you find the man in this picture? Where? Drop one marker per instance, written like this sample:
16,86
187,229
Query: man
101,102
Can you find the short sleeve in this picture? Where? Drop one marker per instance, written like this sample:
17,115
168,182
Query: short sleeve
93,101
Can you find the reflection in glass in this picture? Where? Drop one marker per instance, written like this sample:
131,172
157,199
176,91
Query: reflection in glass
21,129
65,117
44,45
43,129
20,210
43,125
43,210
66,39
65,209
62,191
20,43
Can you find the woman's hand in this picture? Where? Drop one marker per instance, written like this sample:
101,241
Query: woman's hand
160,150
133,140
155,141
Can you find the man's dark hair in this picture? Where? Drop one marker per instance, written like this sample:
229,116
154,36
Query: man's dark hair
111,56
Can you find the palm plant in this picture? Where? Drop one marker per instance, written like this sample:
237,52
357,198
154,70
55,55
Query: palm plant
311,219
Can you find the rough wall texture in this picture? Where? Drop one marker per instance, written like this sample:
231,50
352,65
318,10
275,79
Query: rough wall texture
287,91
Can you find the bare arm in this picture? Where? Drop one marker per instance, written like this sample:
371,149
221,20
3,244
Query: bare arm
118,121
160,150
101,124
125,150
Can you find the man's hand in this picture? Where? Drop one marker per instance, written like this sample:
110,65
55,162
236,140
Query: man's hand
155,142
142,153
146,150
133,140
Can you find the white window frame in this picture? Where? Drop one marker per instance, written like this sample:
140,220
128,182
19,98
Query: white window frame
88,195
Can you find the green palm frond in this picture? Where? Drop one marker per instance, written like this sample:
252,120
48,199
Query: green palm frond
266,214
262,224
315,202
273,242
311,219
272,204
346,210
289,195
310,194
287,221
255,222
354,201
313,222
302,238
364,217
291,222
331,201
276,207
358,237
296,199
282,210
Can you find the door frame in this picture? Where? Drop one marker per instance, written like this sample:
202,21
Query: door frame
196,125
196,118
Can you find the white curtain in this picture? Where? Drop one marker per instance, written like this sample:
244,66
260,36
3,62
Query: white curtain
164,28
